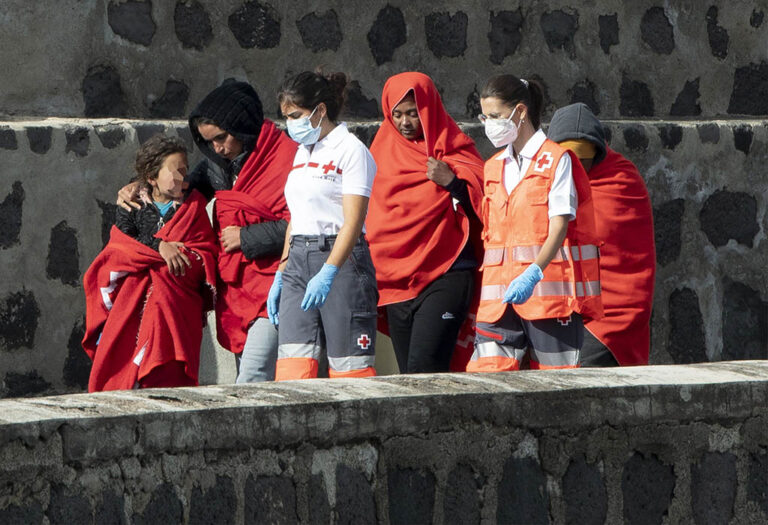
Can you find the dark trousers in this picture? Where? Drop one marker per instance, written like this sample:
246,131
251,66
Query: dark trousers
424,329
595,354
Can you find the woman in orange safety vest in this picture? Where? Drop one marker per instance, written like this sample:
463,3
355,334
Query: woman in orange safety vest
541,272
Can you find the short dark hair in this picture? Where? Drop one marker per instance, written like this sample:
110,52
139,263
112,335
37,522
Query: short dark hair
310,88
152,154
512,90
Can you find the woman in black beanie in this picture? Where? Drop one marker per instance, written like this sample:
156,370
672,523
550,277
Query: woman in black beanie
247,160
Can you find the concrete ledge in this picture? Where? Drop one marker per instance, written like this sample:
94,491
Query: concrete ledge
449,432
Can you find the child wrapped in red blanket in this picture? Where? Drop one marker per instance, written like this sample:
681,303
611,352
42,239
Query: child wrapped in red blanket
148,290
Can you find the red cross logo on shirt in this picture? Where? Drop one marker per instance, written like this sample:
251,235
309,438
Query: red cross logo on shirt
564,321
328,167
363,342
543,162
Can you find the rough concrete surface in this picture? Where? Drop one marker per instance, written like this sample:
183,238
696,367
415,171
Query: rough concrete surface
663,444
144,58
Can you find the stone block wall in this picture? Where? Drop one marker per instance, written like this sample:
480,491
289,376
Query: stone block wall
682,88
706,180
152,59
652,445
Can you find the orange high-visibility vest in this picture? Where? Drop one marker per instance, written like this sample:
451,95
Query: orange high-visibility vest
515,228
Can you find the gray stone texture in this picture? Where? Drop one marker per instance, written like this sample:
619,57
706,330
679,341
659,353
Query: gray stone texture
192,24
686,331
255,24
113,56
10,216
687,102
63,261
8,139
559,28
19,315
217,504
270,499
730,215
411,496
77,366
631,445
172,103
354,497
718,36
745,322
586,499
446,33
609,31
506,34
462,496
713,488
320,31
522,493
387,33
657,31
132,20
647,486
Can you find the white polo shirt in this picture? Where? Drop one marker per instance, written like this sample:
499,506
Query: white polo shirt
337,165
563,199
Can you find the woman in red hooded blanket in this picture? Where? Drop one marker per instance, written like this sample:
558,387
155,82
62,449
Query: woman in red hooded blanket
246,164
423,228
147,291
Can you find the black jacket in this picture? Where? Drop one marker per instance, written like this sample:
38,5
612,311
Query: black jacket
144,223
578,122
236,108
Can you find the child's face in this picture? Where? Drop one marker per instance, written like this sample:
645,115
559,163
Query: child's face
170,182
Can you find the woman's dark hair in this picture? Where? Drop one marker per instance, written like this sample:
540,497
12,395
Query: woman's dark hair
199,121
152,154
310,88
512,90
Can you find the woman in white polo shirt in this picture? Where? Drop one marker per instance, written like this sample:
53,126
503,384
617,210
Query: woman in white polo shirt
324,295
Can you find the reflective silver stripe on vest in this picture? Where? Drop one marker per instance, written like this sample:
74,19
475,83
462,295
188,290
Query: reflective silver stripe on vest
558,359
490,292
495,256
353,362
491,349
306,350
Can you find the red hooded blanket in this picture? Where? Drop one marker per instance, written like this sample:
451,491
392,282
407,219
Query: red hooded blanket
414,230
139,317
624,220
256,196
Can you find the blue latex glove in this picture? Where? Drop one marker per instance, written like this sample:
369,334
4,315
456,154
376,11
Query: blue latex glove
273,299
521,288
319,287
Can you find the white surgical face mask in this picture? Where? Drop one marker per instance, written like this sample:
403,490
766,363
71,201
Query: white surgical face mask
301,129
501,131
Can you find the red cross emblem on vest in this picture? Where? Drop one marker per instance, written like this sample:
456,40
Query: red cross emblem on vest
328,167
364,342
543,162
564,321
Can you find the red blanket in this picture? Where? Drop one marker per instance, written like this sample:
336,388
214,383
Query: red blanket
257,196
139,317
624,220
415,232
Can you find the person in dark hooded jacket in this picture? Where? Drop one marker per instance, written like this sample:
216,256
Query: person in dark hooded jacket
247,160
624,221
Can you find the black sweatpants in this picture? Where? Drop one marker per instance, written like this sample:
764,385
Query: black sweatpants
424,329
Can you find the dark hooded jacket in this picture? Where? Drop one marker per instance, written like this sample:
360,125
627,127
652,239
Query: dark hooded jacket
234,107
578,122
